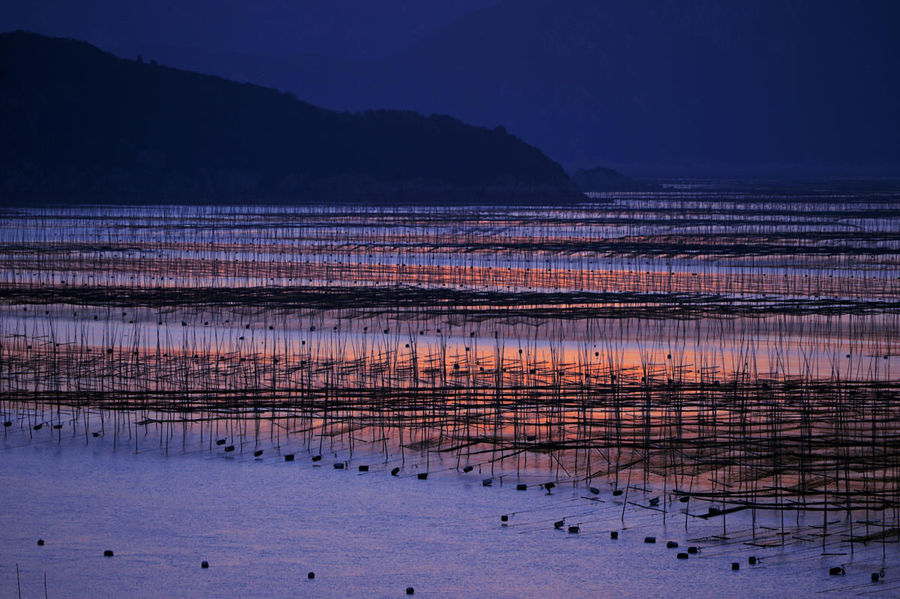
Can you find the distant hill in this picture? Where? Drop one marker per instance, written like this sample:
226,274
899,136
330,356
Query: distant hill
606,179
651,87
79,124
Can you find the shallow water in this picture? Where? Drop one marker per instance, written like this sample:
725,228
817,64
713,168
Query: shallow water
263,524
742,345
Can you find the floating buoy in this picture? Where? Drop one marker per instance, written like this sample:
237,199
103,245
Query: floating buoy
649,539
521,487
468,468
654,501
752,560
57,426
617,492
422,475
410,590
95,434
735,566
317,458
486,482
40,542
875,577
311,575
288,457
573,530
558,524
339,465
682,555
108,553
672,545
7,423
836,571
395,471
684,499
504,518
713,511
204,564
594,490
37,427
693,550
257,453
363,468
220,441
229,448
614,534
549,486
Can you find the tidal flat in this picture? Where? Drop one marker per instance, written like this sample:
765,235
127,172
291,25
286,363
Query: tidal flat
718,369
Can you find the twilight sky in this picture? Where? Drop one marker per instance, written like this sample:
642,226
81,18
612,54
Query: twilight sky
653,87
345,29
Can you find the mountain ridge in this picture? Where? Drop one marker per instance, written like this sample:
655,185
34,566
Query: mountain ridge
80,122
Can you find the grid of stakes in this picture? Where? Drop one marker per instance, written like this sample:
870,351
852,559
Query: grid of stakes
732,348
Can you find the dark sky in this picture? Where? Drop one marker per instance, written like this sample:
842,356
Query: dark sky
652,87
344,29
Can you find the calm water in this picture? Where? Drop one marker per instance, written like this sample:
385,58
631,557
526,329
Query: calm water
263,524
737,349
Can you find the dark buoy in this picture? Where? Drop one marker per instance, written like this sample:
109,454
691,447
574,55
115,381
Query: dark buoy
614,534
682,555
220,441
735,566
836,571
649,539
654,501
204,564
311,575
617,492
875,576
57,426
573,530
339,465
257,453
37,427
395,471
549,486
288,457
317,458
40,542
752,560
108,553
504,518
595,490
693,550
468,468
95,434
521,487
422,475
672,545
684,499
363,468
7,423
558,524
410,590
486,482
229,448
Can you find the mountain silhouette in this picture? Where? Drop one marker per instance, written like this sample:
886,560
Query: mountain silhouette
649,87
656,86
79,124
